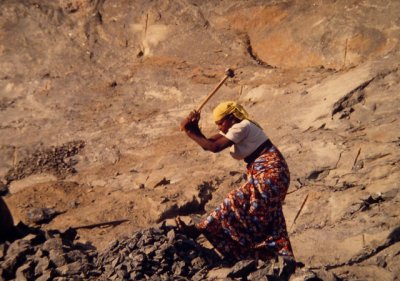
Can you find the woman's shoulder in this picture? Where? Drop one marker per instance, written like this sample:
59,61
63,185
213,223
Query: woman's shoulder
246,127
244,123
242,126
247,124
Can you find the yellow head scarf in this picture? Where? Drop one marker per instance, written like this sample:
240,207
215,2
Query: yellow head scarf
230,107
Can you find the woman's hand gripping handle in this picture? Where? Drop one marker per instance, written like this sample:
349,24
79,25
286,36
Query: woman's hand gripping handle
191,122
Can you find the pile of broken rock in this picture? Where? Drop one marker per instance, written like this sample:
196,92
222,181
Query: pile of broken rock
160,253
48,255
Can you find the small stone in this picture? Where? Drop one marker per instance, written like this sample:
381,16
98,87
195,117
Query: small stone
242,268
62,279
70,269
46,275
171,236
75,255
41,215
53,244
200,275
68,234
198,262
32,238
57,257
149,250
24,272
131,245
325,275
304,276
115,262
39,253
74,204
113,245
178,268
288,267
94,273
113,277
381,261
10,264
3,189
122,274
41,266
136,275
3,249
19,248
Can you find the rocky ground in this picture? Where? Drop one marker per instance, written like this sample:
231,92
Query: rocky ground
92,93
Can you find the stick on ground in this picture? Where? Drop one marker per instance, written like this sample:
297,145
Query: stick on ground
108,223
299,211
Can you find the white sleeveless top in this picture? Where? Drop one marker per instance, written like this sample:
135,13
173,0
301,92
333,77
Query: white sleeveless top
246,136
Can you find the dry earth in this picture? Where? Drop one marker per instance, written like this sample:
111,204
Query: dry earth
92,92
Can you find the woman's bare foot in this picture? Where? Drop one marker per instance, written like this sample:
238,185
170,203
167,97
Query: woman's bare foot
189,230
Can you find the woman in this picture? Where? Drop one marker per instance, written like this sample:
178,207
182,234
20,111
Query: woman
249,223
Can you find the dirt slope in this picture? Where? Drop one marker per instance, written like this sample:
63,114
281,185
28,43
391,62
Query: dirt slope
92,92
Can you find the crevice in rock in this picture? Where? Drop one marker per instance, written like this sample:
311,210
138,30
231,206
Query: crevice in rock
92,24
392,239
354,97
253,55
357,95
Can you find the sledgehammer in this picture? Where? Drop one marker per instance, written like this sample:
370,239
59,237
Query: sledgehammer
228,73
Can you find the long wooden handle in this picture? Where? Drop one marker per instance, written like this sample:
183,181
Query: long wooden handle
212,93
229,73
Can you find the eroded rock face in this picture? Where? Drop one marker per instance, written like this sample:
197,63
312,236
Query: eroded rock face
321,77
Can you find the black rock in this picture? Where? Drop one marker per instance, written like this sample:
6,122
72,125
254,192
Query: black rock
57,258
200,275
25,272
123,274
39,253
3,249
70,269
198,263
46,275
19,248
68,234
42,265
3,189
34,239
242,269
55,244
179,268
15,258
41,215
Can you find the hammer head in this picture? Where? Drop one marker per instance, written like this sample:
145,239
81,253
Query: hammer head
229,72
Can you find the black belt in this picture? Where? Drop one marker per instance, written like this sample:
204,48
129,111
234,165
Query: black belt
256,153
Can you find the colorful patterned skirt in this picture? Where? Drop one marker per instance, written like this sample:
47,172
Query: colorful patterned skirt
249,223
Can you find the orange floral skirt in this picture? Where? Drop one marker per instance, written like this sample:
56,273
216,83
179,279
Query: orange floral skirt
249,223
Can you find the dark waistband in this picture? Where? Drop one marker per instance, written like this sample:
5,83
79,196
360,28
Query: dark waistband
256,153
